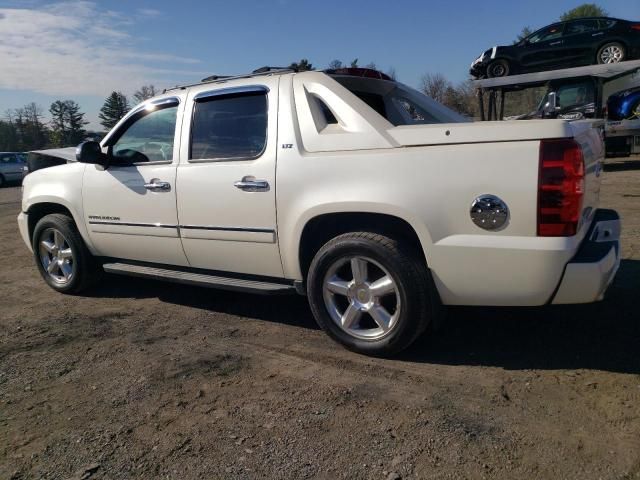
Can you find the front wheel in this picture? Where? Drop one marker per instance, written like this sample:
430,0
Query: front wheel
613,52
371,293
62,258
498,68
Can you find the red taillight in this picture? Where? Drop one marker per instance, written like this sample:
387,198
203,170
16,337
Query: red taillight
560,187
635,26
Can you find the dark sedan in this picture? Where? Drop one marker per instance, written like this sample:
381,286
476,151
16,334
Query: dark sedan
574,43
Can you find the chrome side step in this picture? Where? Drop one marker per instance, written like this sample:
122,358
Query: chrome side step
199,279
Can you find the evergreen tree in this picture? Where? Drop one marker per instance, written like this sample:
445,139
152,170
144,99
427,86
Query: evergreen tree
115,107
301,66
67,123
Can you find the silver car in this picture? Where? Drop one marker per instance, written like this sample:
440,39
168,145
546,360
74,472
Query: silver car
12,167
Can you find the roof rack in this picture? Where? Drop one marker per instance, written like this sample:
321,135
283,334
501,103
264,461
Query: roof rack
224,78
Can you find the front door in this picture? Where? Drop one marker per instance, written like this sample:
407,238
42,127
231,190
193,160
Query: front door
226,178
130,207
542,48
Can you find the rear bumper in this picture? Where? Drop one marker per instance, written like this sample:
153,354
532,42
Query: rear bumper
590,272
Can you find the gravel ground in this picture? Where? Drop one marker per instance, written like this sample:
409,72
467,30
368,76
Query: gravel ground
140,379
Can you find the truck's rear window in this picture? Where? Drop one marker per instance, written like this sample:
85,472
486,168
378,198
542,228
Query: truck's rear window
399,104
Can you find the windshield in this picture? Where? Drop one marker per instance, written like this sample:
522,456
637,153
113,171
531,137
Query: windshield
398,103
572,95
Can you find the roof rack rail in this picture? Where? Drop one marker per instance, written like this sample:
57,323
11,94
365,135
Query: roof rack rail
212,78
267,69
223,78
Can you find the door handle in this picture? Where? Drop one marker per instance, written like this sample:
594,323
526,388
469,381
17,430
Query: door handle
157,185
250,184
556,43
597,34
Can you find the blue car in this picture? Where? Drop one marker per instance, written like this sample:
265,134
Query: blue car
624,105
12,167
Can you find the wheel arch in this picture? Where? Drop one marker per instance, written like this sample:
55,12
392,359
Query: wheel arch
624,43
40,208
321,228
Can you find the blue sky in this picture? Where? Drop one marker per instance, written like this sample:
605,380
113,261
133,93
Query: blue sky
83,50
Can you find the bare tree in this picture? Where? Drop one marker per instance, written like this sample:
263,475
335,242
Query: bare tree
335,64
391,72
435,85
144,93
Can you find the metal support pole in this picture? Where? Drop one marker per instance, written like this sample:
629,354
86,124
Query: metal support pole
501,104
481,102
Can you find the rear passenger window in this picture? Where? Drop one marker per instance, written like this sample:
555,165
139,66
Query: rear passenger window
229,126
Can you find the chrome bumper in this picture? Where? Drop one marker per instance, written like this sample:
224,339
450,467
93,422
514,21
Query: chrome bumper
590,272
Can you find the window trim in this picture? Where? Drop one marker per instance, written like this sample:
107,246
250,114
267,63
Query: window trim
132,117
211,95
135,114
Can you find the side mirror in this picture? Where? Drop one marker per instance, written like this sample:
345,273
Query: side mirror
552,104
90,152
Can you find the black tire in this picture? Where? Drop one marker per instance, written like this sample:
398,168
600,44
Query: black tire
415,291
611,45
85,271
498,68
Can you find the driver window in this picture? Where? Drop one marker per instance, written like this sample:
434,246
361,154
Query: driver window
149,139
546,34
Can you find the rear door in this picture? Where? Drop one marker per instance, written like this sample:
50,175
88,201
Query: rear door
226,178
579,38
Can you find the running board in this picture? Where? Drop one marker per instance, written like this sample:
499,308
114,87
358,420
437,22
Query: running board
199,279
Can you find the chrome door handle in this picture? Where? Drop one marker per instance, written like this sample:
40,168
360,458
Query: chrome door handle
556,43
250,184
157,185
596,34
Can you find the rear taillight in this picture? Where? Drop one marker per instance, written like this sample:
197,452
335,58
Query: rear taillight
560,187
635,26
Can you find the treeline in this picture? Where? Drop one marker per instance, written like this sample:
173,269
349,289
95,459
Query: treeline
24,129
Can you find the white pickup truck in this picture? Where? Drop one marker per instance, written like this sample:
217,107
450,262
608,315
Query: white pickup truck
378,203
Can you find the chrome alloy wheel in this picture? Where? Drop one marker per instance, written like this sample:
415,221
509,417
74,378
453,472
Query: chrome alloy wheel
611,54
56,256
362,297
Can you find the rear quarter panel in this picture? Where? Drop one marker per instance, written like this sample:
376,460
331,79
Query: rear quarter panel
432,188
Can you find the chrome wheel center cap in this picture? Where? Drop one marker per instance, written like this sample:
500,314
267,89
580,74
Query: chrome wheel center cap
363,295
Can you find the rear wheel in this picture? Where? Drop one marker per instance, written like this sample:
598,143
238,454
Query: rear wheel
62,258
498,68
370,293
613,52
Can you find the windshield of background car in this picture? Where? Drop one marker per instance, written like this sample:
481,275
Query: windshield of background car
578,94
8,158
398,103
545,34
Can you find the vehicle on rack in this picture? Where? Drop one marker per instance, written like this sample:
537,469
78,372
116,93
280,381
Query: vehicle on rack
584,41
373,200
623,123
11,167
572,99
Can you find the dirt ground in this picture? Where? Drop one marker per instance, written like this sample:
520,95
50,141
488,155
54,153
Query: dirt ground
141,379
